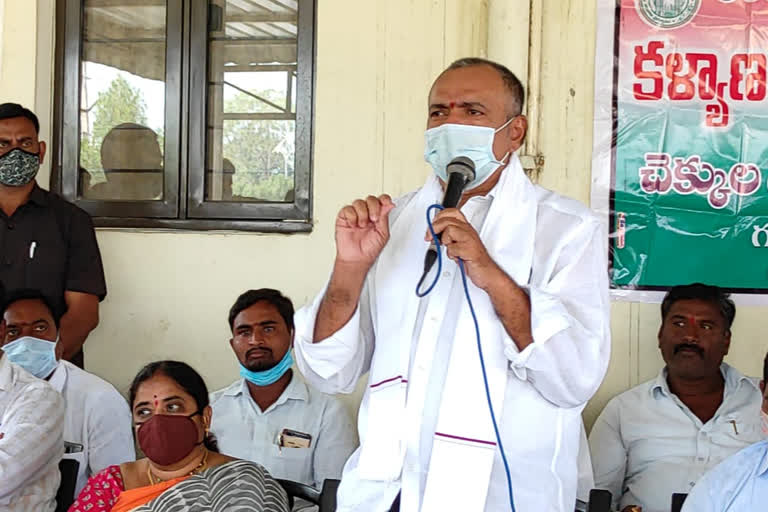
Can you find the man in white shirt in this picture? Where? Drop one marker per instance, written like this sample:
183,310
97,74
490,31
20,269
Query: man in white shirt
97,424
270,415
31,445
537,275
660,437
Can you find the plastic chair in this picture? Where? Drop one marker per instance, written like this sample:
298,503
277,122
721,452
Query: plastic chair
599,500
325,499
66,493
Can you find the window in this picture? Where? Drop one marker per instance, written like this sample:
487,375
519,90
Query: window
187,114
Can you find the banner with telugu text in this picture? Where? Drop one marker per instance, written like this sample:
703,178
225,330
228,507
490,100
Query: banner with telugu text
680,163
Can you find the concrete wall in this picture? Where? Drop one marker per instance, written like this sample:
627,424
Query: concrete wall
169,292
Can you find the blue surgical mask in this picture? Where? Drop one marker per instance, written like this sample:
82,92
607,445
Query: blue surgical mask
445,142
36,356
270,376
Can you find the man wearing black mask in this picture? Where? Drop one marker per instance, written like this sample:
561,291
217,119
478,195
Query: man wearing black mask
660,437
46,243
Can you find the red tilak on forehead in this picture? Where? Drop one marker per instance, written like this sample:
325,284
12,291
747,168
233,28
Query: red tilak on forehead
452,104
692,319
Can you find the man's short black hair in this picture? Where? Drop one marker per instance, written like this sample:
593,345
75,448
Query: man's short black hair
281,302
11,110
513,83
30,294
699,291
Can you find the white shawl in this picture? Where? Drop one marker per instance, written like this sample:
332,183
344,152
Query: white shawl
464,442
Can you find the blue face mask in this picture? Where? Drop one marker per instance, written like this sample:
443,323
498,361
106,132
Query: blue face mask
445,142
36,356
270,376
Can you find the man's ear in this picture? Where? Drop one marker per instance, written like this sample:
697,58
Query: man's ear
762,387
518,128
41,145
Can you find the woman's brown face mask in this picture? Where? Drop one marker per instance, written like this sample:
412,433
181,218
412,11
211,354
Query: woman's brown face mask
167,438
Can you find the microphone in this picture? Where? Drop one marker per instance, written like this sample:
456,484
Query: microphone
461,172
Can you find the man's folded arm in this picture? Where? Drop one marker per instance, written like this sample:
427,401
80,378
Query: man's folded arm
32,431
570,324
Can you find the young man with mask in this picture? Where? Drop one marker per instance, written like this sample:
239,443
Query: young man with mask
31,444
270,415
97,422
46,243
740,482
536,271
660,437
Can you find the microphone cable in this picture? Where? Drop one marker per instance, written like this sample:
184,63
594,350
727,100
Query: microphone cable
477,336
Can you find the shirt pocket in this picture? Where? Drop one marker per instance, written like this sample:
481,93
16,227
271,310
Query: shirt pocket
292,464
46,266
739,430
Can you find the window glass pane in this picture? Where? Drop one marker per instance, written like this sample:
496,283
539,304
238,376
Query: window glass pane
251,100
122,100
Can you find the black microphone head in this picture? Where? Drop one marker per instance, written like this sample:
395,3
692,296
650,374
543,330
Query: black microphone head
463,165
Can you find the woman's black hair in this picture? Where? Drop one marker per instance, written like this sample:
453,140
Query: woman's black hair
186,377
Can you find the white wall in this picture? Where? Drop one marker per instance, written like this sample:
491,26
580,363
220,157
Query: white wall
169,292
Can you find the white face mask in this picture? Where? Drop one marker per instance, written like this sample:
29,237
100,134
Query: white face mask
445,142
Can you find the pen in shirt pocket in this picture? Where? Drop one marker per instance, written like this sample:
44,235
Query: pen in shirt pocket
32,248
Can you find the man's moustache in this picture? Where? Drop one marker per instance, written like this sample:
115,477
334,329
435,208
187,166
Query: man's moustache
689,346
257,349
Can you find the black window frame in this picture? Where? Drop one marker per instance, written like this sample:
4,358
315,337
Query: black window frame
183,206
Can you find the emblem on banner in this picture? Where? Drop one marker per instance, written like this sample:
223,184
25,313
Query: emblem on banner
667,13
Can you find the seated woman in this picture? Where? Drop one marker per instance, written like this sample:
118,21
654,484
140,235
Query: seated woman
182,470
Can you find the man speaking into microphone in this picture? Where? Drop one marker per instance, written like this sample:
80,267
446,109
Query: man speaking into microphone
536,274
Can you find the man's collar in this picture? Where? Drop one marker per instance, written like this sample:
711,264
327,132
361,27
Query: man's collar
296,390
734,377
6,375
38,196
660,384
59,377
731,376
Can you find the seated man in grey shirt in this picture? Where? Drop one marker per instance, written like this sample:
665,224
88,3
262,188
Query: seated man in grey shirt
660,437
270,415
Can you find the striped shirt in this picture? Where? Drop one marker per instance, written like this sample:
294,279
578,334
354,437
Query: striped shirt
31,443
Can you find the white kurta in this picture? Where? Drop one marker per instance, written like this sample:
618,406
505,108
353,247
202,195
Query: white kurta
547,384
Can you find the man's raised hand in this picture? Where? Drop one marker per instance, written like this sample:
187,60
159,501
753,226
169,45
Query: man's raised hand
362,230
